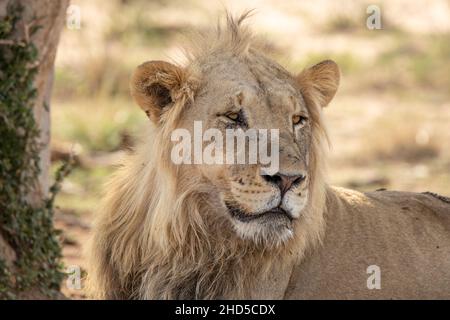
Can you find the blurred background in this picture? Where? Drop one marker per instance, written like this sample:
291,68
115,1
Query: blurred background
389,123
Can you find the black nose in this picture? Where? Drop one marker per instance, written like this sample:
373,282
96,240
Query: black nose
284,182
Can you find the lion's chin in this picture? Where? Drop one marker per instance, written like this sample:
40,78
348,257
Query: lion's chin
270,229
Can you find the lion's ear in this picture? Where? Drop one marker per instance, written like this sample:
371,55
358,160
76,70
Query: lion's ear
155,85
319,82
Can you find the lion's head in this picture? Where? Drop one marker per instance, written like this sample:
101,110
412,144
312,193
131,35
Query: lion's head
203,230
232,84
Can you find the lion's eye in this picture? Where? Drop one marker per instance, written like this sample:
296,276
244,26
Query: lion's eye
232,116
235,118
299,120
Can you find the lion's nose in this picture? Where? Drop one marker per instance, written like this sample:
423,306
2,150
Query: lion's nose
284,182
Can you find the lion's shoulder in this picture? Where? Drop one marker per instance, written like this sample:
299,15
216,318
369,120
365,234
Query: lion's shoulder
424,202
387,202
402,233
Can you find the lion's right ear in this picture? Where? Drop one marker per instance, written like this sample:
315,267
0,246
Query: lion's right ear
155,85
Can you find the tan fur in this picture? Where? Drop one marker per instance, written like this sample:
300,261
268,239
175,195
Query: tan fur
405,234
162,231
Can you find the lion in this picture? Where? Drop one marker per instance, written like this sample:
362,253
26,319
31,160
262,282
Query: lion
228,231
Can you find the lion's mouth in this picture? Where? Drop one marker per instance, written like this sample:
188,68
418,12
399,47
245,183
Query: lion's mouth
246,217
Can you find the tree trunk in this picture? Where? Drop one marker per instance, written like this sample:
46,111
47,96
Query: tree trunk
49,15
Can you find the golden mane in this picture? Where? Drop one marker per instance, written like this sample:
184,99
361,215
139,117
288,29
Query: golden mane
156,235
235,39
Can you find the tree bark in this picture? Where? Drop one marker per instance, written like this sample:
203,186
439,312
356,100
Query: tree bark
50,16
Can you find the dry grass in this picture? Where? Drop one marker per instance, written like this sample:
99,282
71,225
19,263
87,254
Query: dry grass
397,138
98,124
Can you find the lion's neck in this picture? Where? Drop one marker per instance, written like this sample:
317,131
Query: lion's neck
211,261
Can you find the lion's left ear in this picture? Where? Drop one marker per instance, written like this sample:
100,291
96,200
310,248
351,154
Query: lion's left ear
319,82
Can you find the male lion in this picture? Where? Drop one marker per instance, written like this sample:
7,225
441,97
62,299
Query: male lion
168,231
